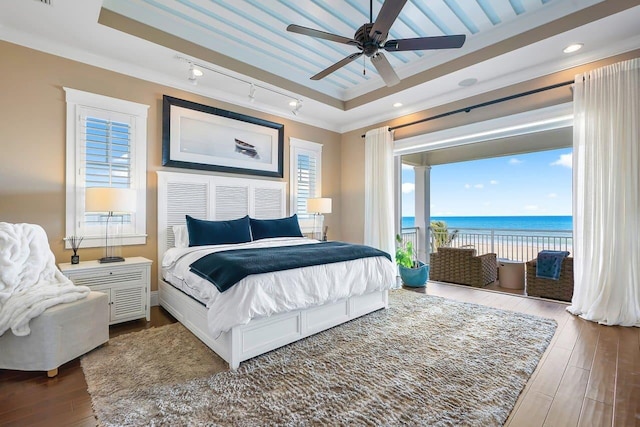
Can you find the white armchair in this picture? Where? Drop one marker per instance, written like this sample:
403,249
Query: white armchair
60,334
45,320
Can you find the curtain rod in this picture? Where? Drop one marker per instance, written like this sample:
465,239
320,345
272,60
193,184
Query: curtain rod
484,104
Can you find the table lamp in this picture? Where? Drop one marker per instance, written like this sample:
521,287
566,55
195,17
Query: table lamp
318,206
110,200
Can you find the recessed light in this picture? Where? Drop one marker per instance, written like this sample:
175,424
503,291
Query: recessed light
397,104
197,73
293,104
468,82
573,47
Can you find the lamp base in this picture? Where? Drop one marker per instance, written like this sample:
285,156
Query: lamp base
110,259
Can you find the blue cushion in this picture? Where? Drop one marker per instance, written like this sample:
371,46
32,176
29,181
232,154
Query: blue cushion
283,227
203,232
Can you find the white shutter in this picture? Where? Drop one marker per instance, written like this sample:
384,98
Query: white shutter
307,178
306,175
185,198
231,202
106,154
269,202
106,147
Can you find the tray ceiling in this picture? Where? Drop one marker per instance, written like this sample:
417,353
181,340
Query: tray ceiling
508,41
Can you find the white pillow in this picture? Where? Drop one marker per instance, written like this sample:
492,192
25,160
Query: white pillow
181,235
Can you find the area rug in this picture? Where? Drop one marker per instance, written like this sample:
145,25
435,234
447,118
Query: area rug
424,361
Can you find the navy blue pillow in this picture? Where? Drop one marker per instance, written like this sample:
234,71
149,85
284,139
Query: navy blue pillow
203,232
283,227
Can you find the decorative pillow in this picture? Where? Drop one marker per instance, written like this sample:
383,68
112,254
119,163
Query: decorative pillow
181,236
283,227
203,232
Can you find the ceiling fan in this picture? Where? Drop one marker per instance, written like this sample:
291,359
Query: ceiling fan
372,37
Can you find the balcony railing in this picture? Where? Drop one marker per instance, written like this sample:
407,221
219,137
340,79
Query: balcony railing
410,235
513,244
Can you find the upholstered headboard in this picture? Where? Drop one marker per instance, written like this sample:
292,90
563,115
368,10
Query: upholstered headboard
213,198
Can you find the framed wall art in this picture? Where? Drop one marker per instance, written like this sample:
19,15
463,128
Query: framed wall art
197,136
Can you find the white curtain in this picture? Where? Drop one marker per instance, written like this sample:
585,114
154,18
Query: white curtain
606,179
378,187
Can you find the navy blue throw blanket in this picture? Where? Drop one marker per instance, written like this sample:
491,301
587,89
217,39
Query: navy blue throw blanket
549,264
226,268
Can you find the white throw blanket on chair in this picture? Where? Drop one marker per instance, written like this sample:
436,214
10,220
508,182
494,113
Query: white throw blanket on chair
30,282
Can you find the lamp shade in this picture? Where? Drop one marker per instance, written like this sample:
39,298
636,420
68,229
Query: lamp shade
319,205
102,199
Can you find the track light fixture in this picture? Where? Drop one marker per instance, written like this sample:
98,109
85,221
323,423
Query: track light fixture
194,73
297,105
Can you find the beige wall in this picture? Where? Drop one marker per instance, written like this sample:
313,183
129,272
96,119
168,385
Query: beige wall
353,144
32,141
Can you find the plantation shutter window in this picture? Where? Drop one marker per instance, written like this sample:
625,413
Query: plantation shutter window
106,154
306,178
106,147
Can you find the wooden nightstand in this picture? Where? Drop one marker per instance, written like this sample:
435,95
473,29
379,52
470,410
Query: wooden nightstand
127,284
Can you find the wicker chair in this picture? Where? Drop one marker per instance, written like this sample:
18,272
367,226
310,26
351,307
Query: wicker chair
561,289
462,266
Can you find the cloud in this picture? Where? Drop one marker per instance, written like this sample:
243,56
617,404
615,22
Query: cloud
479,186
467,186
487,203
514,161
531,207
552,195
565,160
408,187
494,182
407,167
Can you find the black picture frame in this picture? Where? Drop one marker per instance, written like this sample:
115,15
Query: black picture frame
197,136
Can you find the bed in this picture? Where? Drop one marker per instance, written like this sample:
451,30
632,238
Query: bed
264,329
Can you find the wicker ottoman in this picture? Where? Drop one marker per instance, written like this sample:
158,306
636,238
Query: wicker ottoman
561,289
60,334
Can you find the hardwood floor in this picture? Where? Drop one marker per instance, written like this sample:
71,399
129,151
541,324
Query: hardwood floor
589,375
32,399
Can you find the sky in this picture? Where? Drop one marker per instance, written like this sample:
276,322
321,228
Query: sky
520,185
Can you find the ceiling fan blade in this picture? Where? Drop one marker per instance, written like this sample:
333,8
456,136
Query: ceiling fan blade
387,16
336,66
384,69
320,34
424,43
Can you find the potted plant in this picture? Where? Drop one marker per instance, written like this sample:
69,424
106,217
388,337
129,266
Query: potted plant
441,237
412,272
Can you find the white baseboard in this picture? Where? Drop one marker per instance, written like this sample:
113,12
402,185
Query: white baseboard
155,299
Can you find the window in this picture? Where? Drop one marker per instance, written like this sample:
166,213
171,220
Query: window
306,178
106,147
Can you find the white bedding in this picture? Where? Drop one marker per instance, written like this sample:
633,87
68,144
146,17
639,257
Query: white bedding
266,294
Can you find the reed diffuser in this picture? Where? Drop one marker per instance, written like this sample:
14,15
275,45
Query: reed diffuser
75,241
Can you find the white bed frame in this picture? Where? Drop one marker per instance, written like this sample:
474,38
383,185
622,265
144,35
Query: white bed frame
222,198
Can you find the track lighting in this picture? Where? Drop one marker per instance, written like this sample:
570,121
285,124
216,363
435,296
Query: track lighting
194,73
297,105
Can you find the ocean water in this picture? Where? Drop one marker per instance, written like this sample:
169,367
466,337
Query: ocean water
564,223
